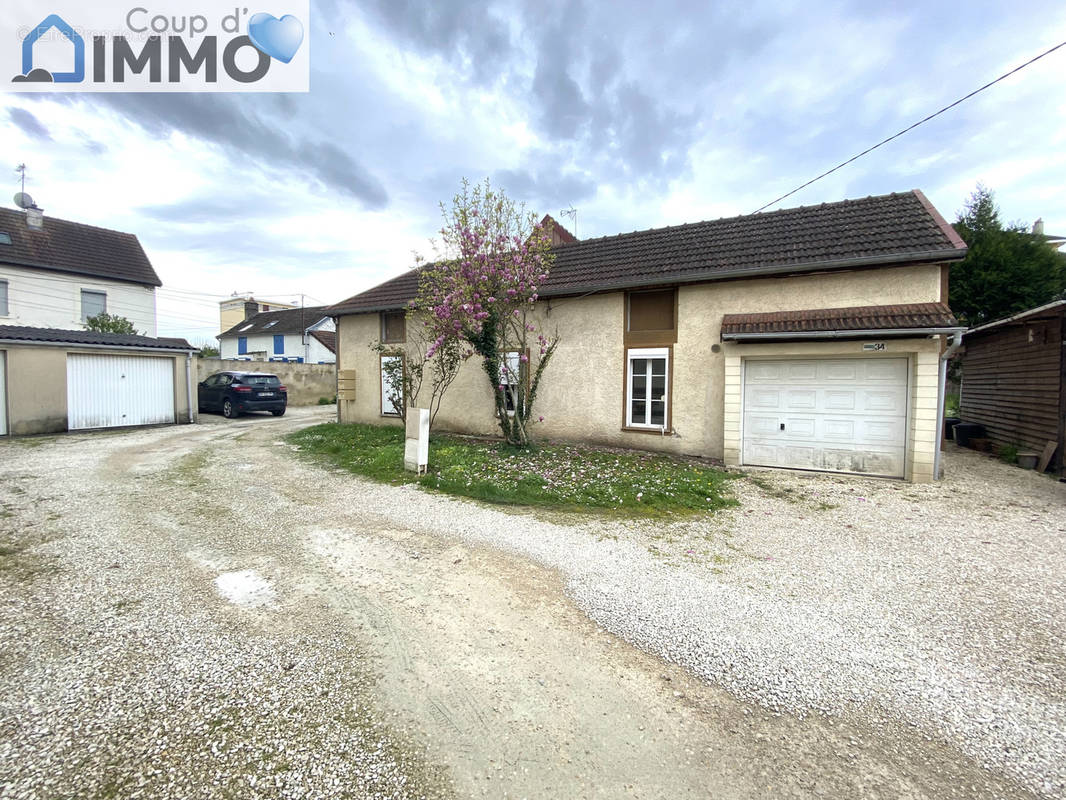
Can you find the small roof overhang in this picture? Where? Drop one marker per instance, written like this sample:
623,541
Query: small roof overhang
856,322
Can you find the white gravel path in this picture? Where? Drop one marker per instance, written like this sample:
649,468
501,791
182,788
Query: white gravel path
941,605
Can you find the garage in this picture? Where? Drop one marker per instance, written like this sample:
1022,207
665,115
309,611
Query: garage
109,391
3,393
59,380
838,415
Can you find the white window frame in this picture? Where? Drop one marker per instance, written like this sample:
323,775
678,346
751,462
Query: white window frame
511,378
649,353
5,299
385,387
84,315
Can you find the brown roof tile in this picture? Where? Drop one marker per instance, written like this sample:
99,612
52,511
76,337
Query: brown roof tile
856,318
889,229
328,339
63,246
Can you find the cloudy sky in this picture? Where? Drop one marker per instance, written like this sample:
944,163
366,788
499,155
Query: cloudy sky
636,114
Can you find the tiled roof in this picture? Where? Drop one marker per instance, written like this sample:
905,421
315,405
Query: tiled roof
826,320
71,247
327,339
290,320
889,229
19,333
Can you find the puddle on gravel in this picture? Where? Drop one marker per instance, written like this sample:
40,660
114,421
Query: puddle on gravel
245,588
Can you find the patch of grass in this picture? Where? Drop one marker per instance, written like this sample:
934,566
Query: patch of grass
326,401
951,404
554,476
1008,453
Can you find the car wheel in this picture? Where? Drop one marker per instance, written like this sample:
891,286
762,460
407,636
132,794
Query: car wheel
229,411
278,413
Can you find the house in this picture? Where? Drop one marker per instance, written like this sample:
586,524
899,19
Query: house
1014,380
1052,241
806,338
58,380
56,274
234,310
286,335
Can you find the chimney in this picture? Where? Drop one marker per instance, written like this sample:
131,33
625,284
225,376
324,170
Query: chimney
34,218
251,308
1038,226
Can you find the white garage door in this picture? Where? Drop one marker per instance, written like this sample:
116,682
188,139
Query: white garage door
3,392
110,391
841,415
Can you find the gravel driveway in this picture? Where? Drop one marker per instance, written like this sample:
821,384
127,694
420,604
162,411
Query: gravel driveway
197,611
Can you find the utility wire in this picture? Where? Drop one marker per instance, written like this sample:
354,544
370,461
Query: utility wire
912,127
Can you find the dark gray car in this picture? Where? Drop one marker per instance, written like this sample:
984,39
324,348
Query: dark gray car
235,393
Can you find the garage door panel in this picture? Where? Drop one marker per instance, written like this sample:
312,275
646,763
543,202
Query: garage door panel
763,426
853,418
839,399
764,398
801,399
802,371
108,391
842,371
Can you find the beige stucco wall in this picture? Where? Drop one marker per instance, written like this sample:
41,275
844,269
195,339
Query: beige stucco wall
37,386
582,394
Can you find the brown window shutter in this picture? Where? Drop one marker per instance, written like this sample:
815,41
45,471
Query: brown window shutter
651,311
394,326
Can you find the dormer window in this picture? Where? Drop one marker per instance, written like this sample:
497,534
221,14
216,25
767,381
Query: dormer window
5,238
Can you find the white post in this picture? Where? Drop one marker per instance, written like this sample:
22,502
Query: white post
416,446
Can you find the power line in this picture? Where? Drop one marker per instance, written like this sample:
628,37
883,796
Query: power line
911,127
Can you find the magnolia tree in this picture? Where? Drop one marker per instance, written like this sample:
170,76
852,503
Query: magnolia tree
406,372
480,295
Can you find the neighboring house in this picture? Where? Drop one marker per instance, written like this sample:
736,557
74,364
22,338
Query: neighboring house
234,310
1014,380
1052,241
57,274
805,338
57,380
280,336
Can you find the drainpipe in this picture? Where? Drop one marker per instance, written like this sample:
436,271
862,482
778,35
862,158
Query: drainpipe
956,343
188,384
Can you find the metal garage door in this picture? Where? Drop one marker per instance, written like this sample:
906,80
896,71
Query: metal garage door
841,415
109,391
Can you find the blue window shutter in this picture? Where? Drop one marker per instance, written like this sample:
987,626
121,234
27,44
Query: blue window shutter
242,345
279,344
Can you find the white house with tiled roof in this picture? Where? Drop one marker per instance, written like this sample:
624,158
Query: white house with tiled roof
56,274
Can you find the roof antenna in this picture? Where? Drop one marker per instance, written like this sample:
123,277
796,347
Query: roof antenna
23,200
572,213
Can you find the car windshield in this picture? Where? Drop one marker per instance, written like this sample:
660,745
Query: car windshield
261,380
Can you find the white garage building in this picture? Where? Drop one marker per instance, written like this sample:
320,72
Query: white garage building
58,380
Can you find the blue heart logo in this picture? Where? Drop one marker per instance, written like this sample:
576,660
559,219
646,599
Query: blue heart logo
278,38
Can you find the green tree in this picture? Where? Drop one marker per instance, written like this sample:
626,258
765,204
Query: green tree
107,323
208,351
1007,269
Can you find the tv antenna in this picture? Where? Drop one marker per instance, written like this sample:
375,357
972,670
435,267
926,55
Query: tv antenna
572,214
23,200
